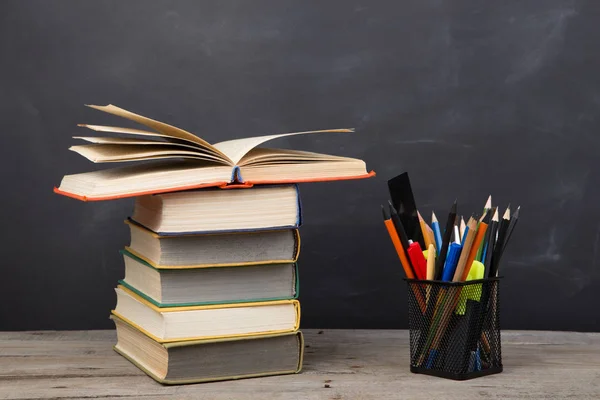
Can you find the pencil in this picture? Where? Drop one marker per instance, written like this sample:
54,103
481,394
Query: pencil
513,221
464,254
488,203
430,262
487,208
463,226
439,263
425,230
452,297
397,245
430,269
492,230
502,229
448,297
435,225
401,255
481,229
398,225
456,235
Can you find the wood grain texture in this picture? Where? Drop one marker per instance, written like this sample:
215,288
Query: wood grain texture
339,364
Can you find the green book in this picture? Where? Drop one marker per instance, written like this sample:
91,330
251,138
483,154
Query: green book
210,285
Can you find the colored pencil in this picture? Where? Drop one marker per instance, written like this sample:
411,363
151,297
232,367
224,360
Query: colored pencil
430,269
402,256
427,237
481,229
435,225
486,208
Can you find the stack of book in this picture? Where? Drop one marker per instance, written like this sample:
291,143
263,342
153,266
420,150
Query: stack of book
210,290
211,285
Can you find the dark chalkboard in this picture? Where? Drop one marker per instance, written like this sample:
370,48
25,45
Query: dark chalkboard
470,97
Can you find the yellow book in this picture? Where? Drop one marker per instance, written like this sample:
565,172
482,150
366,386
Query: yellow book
174,324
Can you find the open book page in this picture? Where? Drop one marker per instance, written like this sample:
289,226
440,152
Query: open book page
161,127
144,142
264,155
101,153
137,132
238,148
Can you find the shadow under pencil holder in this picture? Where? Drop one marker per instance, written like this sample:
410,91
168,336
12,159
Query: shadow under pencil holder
454,328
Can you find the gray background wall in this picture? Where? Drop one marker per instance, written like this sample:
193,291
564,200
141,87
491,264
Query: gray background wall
470,97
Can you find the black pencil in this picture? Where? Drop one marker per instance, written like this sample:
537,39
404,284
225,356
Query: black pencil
398,225
513,221
491,240
439,264
502,228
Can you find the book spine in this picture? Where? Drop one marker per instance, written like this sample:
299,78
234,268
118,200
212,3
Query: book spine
299,218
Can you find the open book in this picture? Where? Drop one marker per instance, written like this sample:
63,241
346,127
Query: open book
171,159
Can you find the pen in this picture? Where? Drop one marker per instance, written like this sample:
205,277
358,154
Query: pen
439,263
415,254
451,261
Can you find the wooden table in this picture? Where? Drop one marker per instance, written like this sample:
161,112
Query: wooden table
339,364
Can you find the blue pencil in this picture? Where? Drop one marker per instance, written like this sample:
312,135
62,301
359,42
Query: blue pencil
435,225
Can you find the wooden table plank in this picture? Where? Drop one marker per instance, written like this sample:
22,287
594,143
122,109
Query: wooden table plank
355,364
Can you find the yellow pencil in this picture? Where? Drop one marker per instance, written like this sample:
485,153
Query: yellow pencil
430,269
427,232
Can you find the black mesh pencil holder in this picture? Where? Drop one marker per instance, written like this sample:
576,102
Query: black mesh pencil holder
454,328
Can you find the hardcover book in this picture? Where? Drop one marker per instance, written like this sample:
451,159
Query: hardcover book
265,207
172,159
210,285
172,324
210,360
214,250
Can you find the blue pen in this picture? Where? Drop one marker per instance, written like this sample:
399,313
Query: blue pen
451,261
435,225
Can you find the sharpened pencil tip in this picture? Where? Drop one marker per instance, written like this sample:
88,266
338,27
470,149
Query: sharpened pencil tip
433,217
507,213
488,203
496,217
385,213
392,208
516,213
